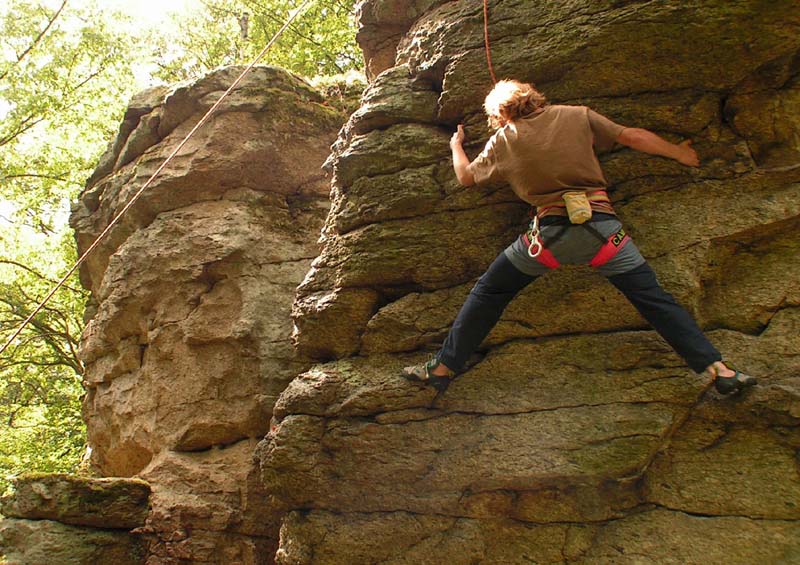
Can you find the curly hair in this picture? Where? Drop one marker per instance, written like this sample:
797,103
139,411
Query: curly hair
512,99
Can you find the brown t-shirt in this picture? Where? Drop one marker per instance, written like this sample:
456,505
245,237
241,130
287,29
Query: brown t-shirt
546,154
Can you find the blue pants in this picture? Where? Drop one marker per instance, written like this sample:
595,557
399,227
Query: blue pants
503,280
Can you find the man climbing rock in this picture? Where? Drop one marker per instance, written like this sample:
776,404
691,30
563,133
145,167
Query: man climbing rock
547,154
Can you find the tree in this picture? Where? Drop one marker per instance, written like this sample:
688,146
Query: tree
40,389
64,78
225,32
66,75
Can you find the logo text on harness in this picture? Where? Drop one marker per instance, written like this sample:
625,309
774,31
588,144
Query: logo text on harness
617,239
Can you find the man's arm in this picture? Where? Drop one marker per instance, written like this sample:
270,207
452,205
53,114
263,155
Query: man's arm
648,142
460,159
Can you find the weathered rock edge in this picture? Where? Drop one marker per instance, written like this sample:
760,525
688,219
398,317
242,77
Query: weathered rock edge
80,501
59,518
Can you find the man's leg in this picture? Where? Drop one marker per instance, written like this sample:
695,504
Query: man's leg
481,311
670,319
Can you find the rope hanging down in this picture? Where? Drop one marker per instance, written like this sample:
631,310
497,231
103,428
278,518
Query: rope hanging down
292,15
486,39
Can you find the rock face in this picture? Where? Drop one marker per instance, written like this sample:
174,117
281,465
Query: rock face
67,519
101,503
577,436
188,338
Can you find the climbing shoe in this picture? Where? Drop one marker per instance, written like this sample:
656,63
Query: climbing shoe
423,374
731,385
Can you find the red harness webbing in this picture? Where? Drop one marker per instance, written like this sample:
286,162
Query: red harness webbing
608,251
613,246
545,257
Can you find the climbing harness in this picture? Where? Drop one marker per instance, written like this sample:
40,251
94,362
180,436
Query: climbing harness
292,16
611,245
610,248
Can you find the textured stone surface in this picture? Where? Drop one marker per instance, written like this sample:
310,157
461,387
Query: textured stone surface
381,26
421,539
672,537
396,96
209,507
44,542
81,501
576,435
189,313
514,444
188,338
560,423
652,537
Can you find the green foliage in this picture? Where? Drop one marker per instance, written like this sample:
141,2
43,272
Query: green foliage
61,75
226,32
64,74
40,388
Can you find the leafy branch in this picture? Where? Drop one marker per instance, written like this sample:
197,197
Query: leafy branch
36,40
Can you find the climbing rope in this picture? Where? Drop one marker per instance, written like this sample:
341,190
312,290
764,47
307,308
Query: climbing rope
486,39
292,16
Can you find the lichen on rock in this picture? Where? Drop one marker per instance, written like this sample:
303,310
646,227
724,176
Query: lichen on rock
59,518
81,501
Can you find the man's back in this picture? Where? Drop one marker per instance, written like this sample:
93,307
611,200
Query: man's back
548,153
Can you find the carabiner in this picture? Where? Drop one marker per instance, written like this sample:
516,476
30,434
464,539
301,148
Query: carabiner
535,243
533,237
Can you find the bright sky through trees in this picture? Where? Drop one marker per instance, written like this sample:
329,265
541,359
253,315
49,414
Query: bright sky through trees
152,12
146,16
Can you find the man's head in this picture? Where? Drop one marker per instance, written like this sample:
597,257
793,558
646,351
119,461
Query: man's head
511,99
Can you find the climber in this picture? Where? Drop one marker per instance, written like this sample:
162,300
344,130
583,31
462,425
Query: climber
547,154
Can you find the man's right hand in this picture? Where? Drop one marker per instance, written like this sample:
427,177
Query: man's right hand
644,140
687,155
